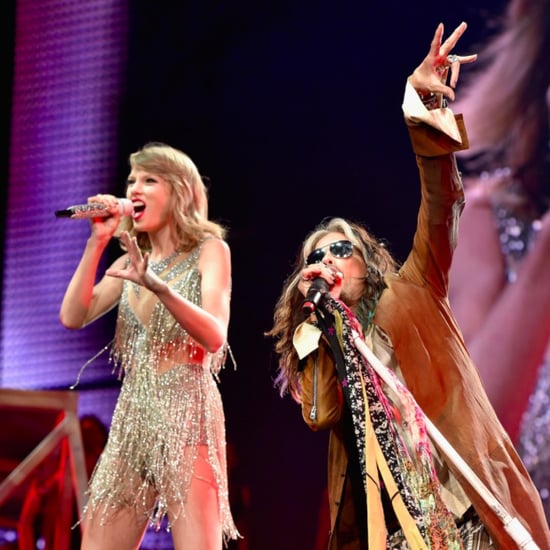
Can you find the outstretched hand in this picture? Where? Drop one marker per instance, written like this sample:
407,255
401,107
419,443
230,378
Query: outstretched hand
137,270
431,75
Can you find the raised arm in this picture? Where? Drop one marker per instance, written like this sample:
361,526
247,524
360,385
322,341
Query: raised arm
435,134
84,300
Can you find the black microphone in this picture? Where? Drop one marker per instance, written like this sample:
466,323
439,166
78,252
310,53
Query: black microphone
94,210
314,294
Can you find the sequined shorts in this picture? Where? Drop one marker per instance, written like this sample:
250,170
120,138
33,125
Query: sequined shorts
472,531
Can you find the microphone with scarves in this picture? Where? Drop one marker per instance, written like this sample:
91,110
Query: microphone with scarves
94,210
314,294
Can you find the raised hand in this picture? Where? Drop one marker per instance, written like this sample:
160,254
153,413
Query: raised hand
430,77
137,270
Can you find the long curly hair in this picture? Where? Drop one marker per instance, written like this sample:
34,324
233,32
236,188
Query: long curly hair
189,204
288,314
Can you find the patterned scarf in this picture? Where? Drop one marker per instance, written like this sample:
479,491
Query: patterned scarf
390,426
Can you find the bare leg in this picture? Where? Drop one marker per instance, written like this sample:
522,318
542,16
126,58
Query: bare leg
123,532
200,526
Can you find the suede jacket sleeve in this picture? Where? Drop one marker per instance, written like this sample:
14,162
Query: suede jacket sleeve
322,397
442,201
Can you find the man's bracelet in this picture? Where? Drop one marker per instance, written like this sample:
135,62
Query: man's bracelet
430,100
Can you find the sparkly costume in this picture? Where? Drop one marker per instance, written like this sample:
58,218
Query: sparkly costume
168,409
517,224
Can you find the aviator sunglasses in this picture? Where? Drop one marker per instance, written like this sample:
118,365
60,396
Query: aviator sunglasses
339,249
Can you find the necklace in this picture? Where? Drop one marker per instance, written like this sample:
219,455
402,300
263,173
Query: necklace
161,265
158,267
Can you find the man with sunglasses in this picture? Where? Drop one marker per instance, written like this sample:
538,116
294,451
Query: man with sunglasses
388,485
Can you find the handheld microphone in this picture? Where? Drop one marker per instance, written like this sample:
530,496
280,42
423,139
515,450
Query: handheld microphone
314,294
94,210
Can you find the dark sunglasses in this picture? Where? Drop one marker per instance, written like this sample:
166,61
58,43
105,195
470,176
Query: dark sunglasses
339,249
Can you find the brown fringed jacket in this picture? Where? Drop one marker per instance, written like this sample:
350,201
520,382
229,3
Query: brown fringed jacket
429,349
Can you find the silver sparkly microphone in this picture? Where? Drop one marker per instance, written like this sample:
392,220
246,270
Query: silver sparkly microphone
94,210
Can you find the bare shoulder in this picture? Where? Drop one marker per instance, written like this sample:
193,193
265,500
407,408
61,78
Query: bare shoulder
214,251
478,192
214,246
478,213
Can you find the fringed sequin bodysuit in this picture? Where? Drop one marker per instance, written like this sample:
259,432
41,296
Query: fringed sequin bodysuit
517,223
169,407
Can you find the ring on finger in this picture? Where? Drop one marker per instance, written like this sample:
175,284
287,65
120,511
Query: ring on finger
452,59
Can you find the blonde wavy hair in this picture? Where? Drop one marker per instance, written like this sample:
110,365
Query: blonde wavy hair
288,314
189,204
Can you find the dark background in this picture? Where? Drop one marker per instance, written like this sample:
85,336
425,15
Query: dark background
293,110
